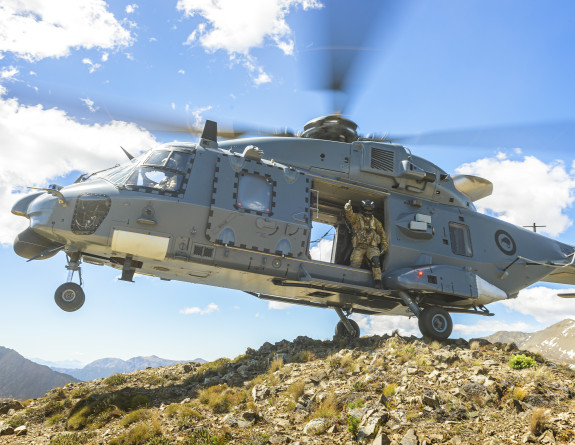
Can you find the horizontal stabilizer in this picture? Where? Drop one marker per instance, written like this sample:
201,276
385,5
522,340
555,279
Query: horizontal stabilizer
473,186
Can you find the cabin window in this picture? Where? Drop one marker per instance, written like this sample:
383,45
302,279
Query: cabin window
460,239
254,193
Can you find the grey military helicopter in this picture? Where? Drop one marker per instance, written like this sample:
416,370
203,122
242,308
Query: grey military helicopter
238,213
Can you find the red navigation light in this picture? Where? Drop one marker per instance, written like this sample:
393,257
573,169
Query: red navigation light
420,273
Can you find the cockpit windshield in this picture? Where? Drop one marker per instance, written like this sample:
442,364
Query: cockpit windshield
162,170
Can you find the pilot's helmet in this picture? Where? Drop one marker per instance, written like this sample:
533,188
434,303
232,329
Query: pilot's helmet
170,163
367,207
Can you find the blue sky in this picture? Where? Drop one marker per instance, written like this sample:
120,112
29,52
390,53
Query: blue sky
427,67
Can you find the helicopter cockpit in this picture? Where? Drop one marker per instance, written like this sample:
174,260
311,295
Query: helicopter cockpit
163,170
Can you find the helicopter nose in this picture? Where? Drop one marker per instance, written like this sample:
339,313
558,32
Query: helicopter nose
29,244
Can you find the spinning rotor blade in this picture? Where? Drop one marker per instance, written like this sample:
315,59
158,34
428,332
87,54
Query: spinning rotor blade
105,109
537,136
341,33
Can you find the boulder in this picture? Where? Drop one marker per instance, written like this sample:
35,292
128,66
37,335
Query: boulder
317,426
410,438
8,404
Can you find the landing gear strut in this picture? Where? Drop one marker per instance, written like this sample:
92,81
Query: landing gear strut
346,328
70,296
434,322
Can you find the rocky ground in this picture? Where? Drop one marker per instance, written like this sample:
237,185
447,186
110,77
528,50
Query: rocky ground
374,390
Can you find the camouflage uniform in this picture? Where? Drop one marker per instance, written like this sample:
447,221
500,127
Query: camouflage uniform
368,241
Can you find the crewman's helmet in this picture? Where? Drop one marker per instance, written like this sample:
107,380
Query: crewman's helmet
367,207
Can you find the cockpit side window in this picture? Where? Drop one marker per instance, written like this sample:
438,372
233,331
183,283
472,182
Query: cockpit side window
164,171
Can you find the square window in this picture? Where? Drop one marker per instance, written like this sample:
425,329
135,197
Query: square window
254,193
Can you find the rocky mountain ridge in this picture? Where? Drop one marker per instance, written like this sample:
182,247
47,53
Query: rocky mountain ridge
556,342
23,379
373,390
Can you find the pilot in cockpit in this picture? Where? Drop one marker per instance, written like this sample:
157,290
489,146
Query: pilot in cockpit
369,240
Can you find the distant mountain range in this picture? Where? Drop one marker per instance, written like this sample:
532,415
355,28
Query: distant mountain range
106,367
68,364
22,379
557,342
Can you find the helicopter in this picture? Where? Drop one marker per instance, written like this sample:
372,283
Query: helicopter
238,213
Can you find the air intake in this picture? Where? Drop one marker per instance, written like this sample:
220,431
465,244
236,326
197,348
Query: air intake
383,160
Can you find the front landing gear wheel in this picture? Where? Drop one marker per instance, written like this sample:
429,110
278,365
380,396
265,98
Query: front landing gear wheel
342,332
69,297
435,322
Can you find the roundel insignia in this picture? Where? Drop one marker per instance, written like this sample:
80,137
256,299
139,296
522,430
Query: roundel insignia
505,242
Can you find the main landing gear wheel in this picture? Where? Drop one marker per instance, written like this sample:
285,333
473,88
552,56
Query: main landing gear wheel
69,297
435,322
342,332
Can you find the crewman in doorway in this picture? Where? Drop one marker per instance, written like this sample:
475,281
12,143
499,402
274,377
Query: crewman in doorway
369,239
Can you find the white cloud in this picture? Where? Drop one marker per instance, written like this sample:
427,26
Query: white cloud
89,104
485,327
521,188
212,307
130,9
543,304
278,305
8,73
322,250
93,66
37,29
197,114
181,72
386,324
47,144
383,324
237,27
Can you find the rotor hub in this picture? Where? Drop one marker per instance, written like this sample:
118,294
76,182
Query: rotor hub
331,128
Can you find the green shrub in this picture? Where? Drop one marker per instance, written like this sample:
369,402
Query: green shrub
519,393
210,369
303,357
139,434
71,439
357,404
220,398
296,389
256,438
389,389
353,425
406,354
203,436
276,364
135,416
155,380
115,380
17,420
522,361
98,409
327,409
